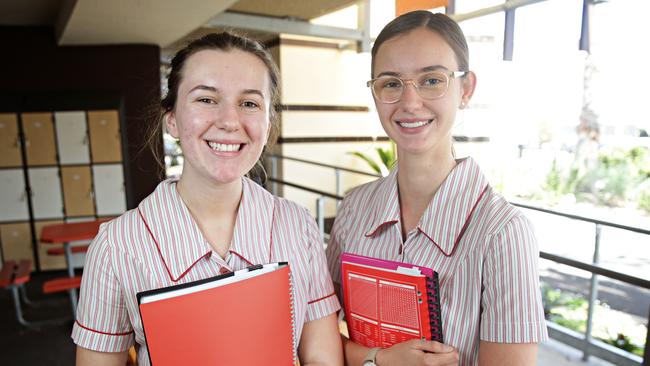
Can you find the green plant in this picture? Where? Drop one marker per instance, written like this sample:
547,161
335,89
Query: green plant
623,342
387,159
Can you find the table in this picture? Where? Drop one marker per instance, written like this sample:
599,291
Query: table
65,233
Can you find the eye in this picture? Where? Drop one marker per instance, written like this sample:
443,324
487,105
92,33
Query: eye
432,80
206,100
249,104
390,84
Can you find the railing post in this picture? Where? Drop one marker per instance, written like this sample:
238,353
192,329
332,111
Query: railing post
320,216
646,353
593,296
274,175
339,187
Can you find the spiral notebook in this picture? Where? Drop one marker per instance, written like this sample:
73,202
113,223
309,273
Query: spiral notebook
389,302
239,318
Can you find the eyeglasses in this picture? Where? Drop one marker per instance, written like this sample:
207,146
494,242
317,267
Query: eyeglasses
430,85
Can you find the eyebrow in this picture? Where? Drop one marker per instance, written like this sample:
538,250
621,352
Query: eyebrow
216,90
424,69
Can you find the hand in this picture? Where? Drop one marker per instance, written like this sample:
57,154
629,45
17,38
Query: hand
417,352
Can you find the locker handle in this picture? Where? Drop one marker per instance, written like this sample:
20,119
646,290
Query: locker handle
23,196
85,141
91,194
26,142
18,143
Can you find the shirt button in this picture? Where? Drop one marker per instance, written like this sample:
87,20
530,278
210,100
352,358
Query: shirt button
224,270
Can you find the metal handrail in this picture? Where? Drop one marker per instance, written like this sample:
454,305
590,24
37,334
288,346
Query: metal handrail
589,345
325,165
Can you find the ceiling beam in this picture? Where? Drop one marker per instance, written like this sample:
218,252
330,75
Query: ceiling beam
279,25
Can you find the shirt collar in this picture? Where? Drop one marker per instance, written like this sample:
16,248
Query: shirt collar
177,236
179,239
385,204
252,237
445,217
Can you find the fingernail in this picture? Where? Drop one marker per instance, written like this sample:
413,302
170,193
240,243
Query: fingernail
447,348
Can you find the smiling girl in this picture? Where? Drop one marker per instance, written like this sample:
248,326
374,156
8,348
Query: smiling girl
221,106
437,211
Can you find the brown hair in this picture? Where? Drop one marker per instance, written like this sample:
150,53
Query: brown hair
439,23
225,41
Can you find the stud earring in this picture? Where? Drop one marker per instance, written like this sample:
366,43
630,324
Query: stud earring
462,105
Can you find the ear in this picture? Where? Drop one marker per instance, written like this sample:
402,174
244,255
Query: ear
170,123
469,84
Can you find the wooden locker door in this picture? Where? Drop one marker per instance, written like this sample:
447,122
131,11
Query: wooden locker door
9,141
72,137
77,191
47,261
13,195
16,241
109,189
46,193
105,140
39,138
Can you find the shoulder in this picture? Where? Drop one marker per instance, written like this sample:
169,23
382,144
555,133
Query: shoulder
505,222
366,193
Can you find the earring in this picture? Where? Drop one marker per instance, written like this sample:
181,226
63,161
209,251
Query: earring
462,105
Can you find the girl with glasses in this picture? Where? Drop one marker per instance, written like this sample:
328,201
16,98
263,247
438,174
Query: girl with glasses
223,91
440,212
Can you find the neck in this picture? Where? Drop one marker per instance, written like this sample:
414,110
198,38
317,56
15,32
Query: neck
210,203
418,179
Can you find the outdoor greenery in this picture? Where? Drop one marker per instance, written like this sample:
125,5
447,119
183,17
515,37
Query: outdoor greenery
570,310
387,159
619,177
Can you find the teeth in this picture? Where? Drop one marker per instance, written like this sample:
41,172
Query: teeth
224,147
414,124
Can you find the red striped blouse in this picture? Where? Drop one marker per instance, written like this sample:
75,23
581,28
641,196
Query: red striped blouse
483,248
159,244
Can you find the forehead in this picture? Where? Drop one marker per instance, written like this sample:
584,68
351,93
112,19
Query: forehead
232,68
410,52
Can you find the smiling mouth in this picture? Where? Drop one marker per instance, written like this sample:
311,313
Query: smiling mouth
414,124
215,146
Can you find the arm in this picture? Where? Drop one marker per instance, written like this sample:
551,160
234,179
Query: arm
512,321
86,357
320,343
507,354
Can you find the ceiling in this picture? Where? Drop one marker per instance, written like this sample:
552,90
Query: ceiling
165,23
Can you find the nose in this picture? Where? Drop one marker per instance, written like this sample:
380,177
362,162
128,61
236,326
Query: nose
228,118
411,100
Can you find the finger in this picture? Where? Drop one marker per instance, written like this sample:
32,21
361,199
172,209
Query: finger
433,346
449,358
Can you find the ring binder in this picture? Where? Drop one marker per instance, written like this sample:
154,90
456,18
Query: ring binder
214,320
389,302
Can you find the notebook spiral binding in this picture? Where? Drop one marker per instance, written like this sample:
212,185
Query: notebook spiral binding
293,321
435,315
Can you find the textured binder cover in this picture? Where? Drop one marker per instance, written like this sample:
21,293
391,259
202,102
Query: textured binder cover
389,302
246,321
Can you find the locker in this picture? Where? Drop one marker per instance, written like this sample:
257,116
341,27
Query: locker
77,191
46,193
9,141
48,261
39,138
16,241
109,189
72,137
13,195
104,128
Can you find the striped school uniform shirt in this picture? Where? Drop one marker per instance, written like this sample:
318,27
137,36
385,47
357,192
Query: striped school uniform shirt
483,249
159,244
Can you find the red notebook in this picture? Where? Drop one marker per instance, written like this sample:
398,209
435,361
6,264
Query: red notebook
389,302
240,318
